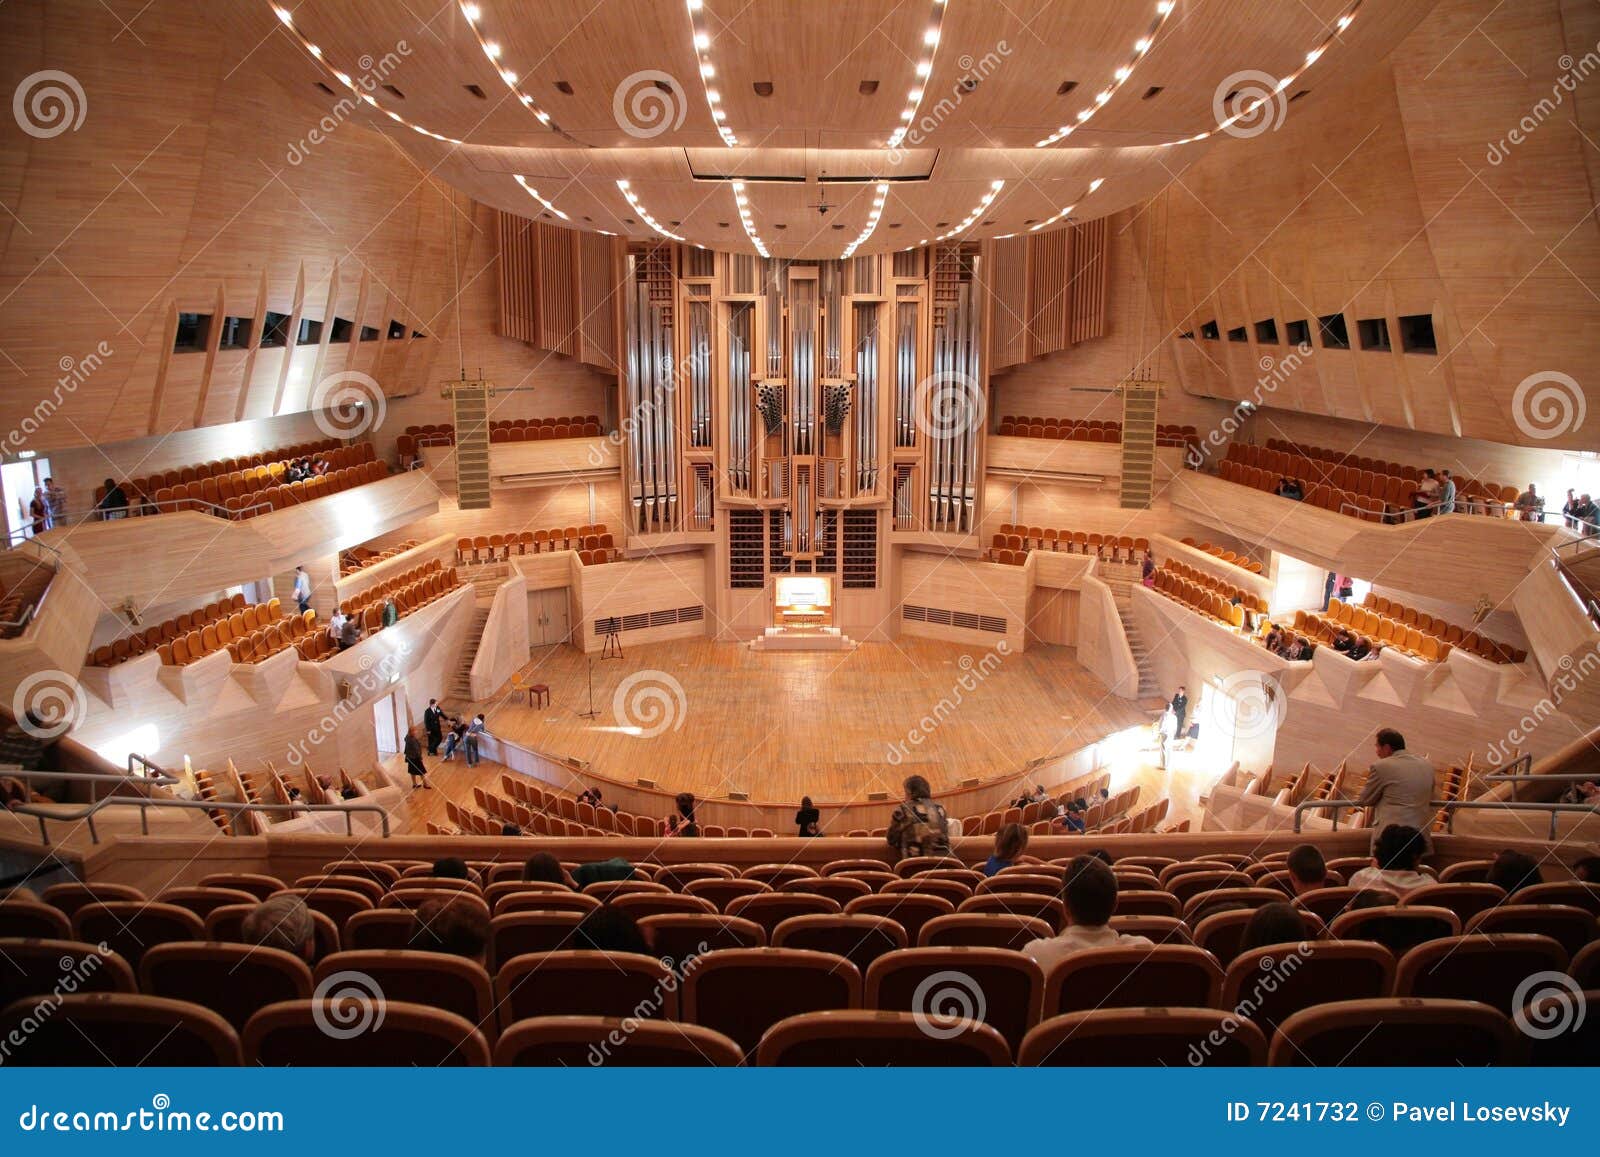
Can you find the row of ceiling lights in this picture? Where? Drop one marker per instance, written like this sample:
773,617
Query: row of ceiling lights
1140,47
924,70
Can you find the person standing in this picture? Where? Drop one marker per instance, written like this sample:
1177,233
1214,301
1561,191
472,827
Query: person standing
1569,510
56,499
114,502
475,730
433,723
415,768
302,589
38,512
807,818
1180,713
1399,788
1447,493
919,826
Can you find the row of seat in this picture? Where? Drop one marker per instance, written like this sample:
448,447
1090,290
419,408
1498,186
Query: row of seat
1225,555
1113,547
1088,430
277,459
410,592
359,558
1445,632
1203,578
1377,631
1374,497
1198,597
282,497
1348,471
484,548
132,646
21,600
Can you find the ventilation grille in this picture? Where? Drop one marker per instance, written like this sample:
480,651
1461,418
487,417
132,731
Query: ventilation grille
746,543
940,617
647,619
860,549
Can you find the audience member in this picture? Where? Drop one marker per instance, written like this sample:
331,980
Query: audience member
302,589
1587,870
542,866
683,823
608,929
1569,511
1090,894
114,503
282,921
1147,569
1426,496
1180,713
1395,859
475,732
1513,871
1399,788
601,871
452,741
57,500
1308,871
415,768
919,826
1447,493
510,829
451,868
1278,923
1009,843
454,926
807,819
1586,792
1529,505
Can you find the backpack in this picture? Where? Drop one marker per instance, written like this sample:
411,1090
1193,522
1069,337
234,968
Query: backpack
928,832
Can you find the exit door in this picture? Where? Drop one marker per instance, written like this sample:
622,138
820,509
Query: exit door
548,617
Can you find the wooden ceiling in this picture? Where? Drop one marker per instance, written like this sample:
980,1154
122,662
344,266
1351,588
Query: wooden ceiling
811,90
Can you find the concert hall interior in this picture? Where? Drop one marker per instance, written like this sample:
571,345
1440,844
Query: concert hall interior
748,510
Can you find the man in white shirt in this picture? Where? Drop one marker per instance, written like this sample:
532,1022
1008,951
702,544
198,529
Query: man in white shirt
1394,862
336,624
1090,893
302,589
1399,788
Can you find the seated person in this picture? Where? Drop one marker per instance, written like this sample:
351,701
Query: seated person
457,926
1278,923
451,868
615,868
608,929
1344,642
1361,649
542,866
1587,870
1513,871
1307,869
1395,859
1530,505
1090,895
1009,843
282,921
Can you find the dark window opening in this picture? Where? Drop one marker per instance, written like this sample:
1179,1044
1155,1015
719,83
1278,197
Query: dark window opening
1209,331
310,332
369,333
1416,334
1267,332
396,331
1298,332
341,330
235,333
275,331
1065,87
193,330
1237,334
417,333
1335,334
1374,333
564,87
867,87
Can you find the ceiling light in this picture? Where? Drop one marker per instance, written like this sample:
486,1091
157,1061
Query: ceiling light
283,14
493,50
471,12
701,40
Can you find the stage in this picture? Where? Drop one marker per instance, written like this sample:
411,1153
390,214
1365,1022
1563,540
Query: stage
715,718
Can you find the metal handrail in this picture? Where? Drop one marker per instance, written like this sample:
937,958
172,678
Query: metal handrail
146,508
1450,807
144,804
31,612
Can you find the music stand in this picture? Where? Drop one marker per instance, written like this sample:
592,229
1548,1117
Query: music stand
612,630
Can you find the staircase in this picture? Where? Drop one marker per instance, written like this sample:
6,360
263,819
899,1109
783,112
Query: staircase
1122,591
472,444
1138,443
461,684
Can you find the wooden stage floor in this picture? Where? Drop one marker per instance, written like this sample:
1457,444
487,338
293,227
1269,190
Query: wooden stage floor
711,718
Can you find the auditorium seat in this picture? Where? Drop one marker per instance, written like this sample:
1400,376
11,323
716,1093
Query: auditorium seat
982,930
1003,989
744,991
720,891
1397,1031
1482,967
1148,902
132,927
378,929
955,891
1166,974
24,919
874,1039
295,1033
120,1030
70,897
1121,1037
641,904
1396,928
593,1041
234,980
203,901
1047,908
513,934
1567,925
860,939
574,983
840,889
1560,1037
257,885
1465,900
773,908
35,967
435,979
1577,893
679,937
1269,984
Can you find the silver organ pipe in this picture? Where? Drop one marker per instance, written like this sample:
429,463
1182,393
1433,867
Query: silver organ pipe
866,399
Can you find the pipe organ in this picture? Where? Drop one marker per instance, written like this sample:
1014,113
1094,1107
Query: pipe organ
801,390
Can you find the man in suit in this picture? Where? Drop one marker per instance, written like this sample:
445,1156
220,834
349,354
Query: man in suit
433,721
1180,714
1399,787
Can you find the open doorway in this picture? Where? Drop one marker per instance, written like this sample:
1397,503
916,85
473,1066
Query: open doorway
390,720
18,481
